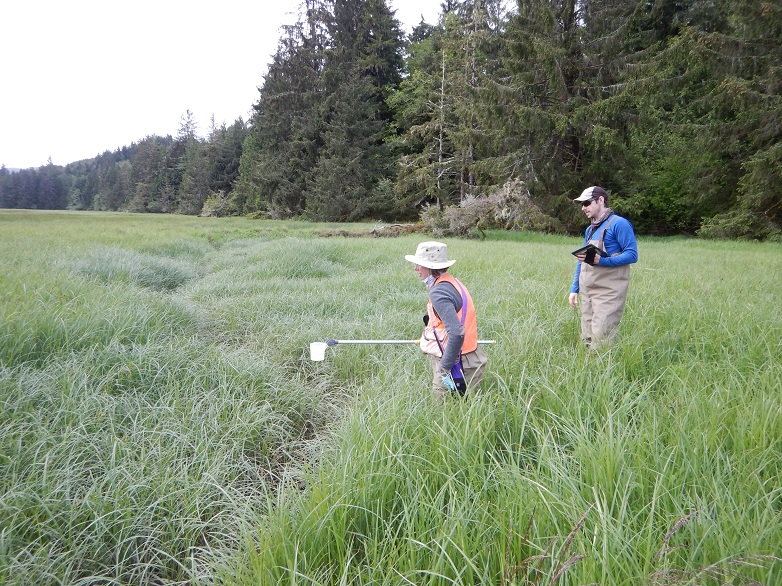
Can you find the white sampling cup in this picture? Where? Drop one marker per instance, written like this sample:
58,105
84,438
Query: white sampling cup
318,351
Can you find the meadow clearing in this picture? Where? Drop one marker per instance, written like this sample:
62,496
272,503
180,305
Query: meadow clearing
161,421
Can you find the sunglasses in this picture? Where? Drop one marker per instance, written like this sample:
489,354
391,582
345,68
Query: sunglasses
588,203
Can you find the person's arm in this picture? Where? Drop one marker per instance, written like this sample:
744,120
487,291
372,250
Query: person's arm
574,286
447,302
620,243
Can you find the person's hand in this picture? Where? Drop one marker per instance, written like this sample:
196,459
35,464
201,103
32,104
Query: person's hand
448,382
573,299
594,259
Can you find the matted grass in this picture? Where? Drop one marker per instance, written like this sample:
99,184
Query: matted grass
161,422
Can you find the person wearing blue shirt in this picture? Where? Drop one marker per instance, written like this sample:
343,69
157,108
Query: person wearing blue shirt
602,281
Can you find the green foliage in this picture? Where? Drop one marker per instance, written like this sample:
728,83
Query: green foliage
759,187
434,217
225,151
45,188
194,185
419,111
663,191
739,224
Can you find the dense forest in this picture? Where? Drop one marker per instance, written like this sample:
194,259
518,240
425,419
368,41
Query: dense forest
672,105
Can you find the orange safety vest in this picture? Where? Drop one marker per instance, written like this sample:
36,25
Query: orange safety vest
470,343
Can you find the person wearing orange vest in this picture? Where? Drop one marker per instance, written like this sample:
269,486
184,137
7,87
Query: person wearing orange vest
451,333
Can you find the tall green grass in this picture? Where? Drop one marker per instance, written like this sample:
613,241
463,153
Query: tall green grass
161,422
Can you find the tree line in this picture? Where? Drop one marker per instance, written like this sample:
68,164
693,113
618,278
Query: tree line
672,105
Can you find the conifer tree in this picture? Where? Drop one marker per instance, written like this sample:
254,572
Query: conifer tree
195,168
545,63
437,104
418,106
284,139
6,197
361,67
479,136
705,87
148,173
113,186
746,114
225,151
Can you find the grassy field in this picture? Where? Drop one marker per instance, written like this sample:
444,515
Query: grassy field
161,421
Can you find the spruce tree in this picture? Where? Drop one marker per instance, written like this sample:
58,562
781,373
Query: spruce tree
225,151
148,174
419,110
361,67
281,148
705,143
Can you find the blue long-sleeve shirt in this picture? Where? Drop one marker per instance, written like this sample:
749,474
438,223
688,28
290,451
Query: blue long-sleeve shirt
619,242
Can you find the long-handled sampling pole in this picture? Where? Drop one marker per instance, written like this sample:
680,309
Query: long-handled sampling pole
318,349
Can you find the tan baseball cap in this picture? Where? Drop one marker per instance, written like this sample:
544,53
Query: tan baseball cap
591,193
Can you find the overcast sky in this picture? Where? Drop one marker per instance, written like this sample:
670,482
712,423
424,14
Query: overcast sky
81,77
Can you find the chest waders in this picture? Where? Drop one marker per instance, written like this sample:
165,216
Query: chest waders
603,294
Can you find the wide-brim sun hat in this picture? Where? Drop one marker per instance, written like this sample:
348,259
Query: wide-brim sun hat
432,255
591,193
